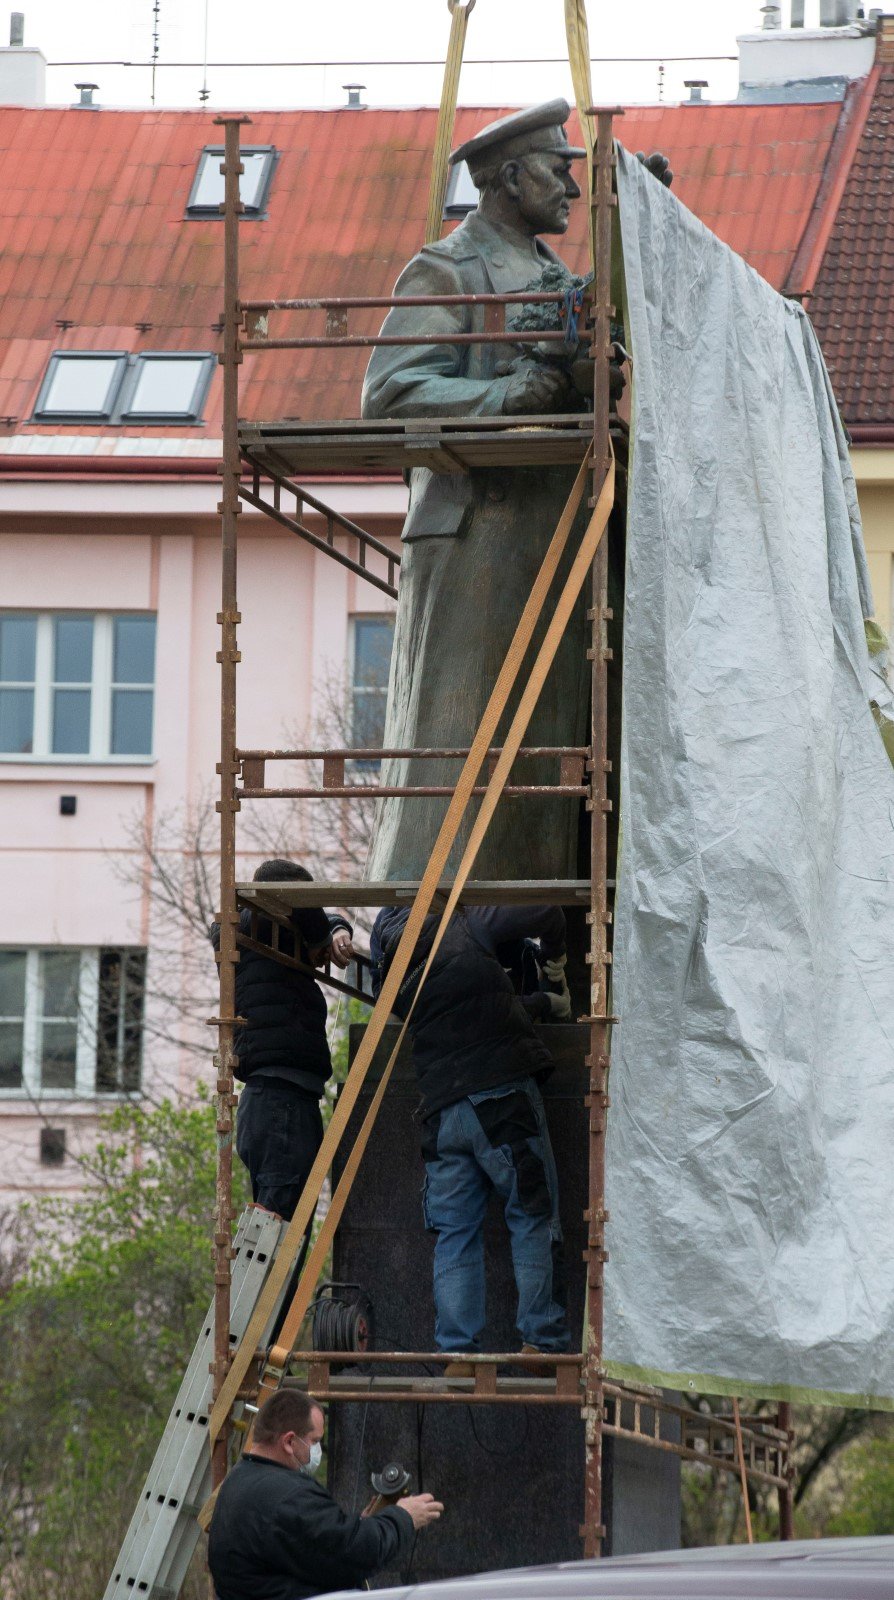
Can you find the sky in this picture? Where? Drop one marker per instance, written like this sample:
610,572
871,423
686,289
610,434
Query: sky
303,33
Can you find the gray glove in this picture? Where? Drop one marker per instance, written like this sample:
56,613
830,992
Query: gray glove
559,1004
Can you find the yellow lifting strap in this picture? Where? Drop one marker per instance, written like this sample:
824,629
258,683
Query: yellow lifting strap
509,672
446,116
577,34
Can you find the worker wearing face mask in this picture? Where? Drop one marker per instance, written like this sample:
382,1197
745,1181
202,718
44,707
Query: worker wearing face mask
277,1534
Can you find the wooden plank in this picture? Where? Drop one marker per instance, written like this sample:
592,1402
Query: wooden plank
444,444
280,897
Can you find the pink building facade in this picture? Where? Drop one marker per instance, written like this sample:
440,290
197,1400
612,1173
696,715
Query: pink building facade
110,296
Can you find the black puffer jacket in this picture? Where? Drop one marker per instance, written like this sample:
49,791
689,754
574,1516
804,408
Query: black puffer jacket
284,1010
470,1029
278,1535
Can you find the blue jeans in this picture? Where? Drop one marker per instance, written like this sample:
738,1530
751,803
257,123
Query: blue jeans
496,1139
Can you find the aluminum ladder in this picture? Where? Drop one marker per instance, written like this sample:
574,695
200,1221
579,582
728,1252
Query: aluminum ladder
163,1532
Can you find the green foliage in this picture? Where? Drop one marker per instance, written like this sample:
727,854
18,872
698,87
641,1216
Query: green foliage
94,1338
869,1505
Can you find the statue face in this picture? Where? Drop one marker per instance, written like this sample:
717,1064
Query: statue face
543,188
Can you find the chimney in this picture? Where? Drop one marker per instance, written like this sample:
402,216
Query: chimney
354,92
805,62
86,101
838,13
695,87
23,71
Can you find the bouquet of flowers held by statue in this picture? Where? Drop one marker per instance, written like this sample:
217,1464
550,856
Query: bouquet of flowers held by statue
553,317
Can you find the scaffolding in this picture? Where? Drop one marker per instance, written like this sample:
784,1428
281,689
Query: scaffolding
262,468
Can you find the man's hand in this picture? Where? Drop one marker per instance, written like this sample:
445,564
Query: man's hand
534,388
423,1508
341,950
658,165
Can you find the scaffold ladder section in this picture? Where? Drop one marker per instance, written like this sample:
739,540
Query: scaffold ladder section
163,1531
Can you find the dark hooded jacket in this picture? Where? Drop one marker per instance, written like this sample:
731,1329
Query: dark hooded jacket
278,1535
285,1011
470,1030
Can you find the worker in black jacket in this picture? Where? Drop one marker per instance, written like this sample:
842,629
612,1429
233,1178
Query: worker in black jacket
478,1058
277,1534
282,1048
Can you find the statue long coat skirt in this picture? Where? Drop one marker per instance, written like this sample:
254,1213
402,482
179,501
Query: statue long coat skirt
473,544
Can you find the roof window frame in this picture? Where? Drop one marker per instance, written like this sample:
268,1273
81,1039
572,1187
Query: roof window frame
45,413
197,213
127,417
454,209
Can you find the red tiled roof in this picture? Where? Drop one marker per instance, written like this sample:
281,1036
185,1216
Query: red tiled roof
852,305
93,207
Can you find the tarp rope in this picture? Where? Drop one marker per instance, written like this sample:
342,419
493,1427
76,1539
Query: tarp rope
459,15
484,737
577,34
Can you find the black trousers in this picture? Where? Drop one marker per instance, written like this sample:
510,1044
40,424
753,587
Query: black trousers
279,1130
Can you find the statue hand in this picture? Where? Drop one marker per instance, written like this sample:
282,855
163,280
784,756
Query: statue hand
658,165
534,388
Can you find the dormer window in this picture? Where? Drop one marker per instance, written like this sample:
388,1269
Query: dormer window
207,193
156,386
168,386
462,196
81,385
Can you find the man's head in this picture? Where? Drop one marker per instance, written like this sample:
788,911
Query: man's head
278,870
522,166
288,1428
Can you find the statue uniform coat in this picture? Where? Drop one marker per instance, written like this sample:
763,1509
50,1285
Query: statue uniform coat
473,543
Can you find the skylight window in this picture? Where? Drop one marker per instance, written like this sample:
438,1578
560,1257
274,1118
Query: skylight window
80,384
156,386
206,196
462,196
169,386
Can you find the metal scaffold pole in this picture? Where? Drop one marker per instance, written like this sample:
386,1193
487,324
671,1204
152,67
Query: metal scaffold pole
228,804
599,916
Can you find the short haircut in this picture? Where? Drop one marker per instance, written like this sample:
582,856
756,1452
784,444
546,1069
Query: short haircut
279,870
287,1411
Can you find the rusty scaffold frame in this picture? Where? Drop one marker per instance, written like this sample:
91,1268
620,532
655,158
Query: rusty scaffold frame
258,469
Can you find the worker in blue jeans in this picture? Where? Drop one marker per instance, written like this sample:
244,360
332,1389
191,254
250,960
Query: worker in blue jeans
478,1057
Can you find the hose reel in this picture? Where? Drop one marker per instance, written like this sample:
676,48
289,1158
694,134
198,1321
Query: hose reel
342,1319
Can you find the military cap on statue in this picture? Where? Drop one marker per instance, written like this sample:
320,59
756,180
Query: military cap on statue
538,128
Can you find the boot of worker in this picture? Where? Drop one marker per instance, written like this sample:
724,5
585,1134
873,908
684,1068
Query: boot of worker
459,1369
542,1369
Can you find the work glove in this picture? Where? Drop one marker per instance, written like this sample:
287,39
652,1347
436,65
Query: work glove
554,985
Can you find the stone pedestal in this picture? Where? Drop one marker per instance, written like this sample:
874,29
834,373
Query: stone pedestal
511,1476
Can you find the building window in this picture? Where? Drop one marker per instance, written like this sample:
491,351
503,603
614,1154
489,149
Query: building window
462,196
76,686
372,638
207,193
168,387
80,384
71,1021
156,386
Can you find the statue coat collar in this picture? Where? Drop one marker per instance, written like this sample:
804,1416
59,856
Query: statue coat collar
497,251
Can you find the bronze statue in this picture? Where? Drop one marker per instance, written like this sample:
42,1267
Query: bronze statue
474,541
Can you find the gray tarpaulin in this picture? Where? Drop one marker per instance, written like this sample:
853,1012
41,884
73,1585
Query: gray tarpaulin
751,1134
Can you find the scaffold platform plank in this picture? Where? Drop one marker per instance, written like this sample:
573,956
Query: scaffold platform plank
444,444
284,897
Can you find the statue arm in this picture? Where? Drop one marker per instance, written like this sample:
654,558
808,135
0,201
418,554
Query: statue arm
428,380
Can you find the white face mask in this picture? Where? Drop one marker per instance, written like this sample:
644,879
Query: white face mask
316,1456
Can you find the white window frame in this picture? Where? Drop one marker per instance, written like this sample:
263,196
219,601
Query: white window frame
85,1087
360,688
101,689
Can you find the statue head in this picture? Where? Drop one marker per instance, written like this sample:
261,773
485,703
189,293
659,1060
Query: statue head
522,167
